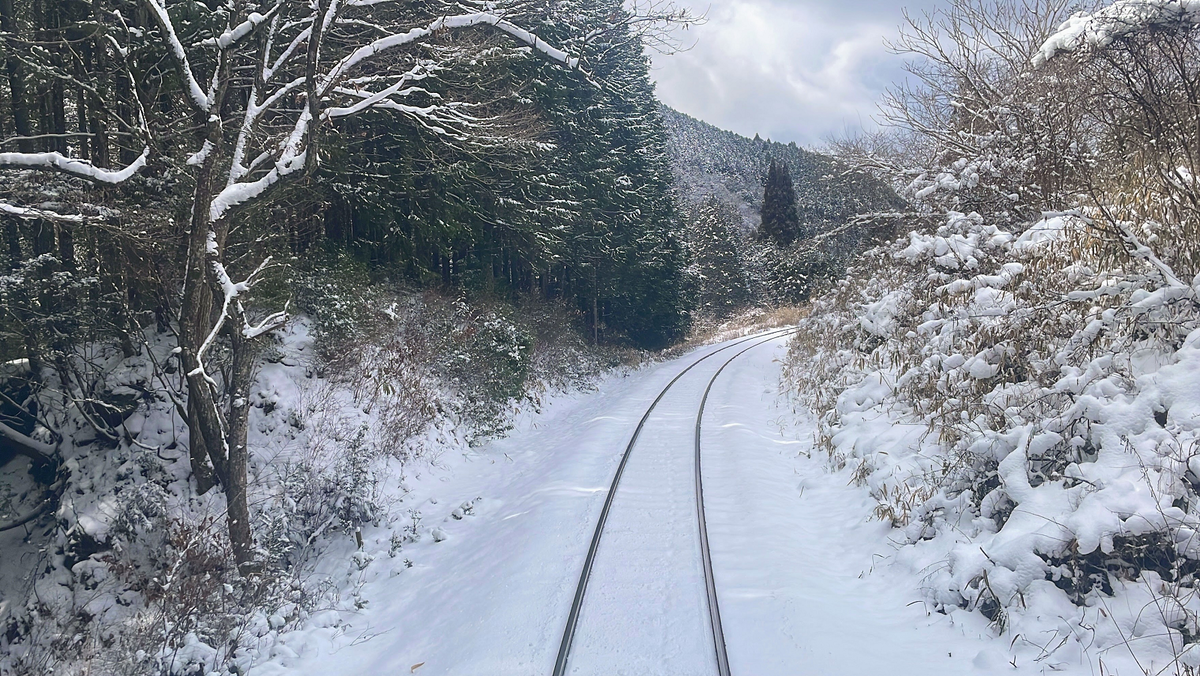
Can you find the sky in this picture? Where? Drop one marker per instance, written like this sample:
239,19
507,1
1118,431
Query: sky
788,70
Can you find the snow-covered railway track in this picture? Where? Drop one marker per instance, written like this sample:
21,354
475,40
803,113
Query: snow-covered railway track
714,620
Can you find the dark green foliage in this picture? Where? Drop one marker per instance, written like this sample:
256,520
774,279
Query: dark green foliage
333,288
576,203
791,275
617,254
489,365
780,223
800,272
719,275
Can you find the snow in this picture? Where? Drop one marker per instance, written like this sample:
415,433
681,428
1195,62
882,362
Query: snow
73,166
26,212
493,597
954,250
28,442
808,581
1099,29
879,318
1041,233
199,156
301,38
647,572
230,291
235,194
234,35
1013,440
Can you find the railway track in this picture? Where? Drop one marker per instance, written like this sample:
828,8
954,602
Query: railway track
564,651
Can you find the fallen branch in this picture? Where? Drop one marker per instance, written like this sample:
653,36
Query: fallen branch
39,452
28,516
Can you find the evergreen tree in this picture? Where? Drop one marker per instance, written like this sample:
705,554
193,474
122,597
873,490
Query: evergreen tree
622,244
721,282
780,222
577,206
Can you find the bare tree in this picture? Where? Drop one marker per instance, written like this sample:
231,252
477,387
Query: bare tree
1142,63
988,119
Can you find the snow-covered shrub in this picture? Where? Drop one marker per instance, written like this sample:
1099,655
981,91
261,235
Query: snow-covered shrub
489,365
1016,386
335,291
1022,405
331,488
562,358
411,358
153,590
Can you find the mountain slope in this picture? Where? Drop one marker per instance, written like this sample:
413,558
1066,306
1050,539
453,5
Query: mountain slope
707,160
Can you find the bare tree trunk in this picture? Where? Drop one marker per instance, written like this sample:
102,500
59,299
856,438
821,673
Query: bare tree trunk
198,452
241,376
204,425
19,96
81,113
58,92
224,438
66,246
95,56
12,233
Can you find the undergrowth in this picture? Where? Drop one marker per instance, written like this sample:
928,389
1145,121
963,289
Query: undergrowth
1019,404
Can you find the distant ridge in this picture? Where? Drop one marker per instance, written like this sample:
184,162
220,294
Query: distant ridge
708,160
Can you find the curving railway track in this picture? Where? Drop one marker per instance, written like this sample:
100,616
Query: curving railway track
581,591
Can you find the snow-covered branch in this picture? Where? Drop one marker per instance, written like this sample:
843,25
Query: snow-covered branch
25,518
41,214
241,31
195,92
291,161
230,291
1099,29
288,52
290,154
268,324
391,42
38,451
74,166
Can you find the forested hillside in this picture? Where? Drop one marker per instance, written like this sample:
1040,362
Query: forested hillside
259,257
711,161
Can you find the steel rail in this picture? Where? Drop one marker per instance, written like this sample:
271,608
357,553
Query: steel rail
564,648
710,584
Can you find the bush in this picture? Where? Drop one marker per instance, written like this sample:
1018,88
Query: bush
1017,405
335,290
489,364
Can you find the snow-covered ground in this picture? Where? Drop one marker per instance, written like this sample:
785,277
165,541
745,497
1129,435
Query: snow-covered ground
806,578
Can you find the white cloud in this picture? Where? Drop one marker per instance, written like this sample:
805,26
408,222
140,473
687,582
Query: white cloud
790,70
